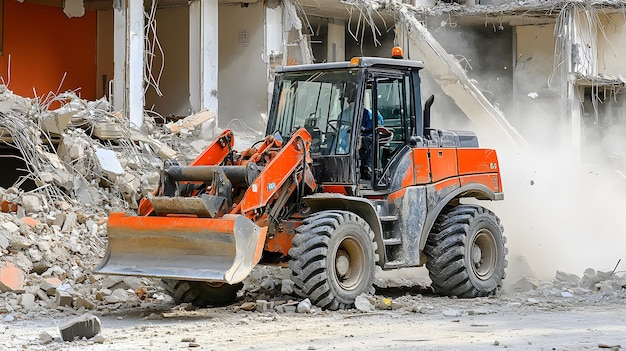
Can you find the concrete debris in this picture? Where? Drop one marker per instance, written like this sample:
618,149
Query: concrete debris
11,279
191,122
248,306
85,162
304,306
363,303
264,306
85,326
45,338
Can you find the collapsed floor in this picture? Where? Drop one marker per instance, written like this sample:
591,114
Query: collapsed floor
84,164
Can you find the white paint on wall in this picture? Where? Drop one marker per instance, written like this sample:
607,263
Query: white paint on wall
135,62
242,71
336,50
203,55
273,31
119,58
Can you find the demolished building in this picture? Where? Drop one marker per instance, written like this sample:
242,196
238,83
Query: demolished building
558,61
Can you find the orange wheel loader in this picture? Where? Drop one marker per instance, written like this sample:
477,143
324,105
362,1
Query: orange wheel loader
350,176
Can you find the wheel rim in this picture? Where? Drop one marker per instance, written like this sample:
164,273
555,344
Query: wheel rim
349,263
484,254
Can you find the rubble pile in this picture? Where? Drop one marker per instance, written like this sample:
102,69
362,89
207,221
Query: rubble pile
593,284
85,162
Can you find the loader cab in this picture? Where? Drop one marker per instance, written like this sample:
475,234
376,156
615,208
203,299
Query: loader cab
331,101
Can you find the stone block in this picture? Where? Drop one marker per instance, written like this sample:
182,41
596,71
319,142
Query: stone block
84,302
85,326
63,298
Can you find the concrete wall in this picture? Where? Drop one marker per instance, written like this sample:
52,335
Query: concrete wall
173,34
535,57
242,72
611,53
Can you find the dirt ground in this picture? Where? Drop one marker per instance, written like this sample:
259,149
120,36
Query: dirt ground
534,320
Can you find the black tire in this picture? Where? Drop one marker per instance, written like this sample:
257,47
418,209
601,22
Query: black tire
466,252
333,259
201,294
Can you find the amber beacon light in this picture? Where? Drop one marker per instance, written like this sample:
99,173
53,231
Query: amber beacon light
397,53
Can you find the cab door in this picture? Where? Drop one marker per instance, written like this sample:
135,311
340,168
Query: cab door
391,153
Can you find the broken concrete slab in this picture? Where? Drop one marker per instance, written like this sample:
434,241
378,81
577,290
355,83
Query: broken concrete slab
160,148
10,227
85,326
453,80
50,285
108,131
191,122
109,163
56,123
11,279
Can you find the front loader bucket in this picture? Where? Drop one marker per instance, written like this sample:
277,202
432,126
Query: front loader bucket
183,248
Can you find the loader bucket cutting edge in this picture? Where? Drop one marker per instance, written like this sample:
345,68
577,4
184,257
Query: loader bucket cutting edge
183,248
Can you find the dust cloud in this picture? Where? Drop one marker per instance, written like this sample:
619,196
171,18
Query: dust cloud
562,209
559,212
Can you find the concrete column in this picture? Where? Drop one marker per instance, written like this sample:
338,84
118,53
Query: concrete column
203,55
119,57
128,94
572,102
336,40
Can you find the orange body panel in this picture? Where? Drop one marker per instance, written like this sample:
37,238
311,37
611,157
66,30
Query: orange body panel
443,163
490,180
421,166
472,161
480,161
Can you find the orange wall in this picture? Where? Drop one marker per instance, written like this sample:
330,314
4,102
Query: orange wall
44,44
